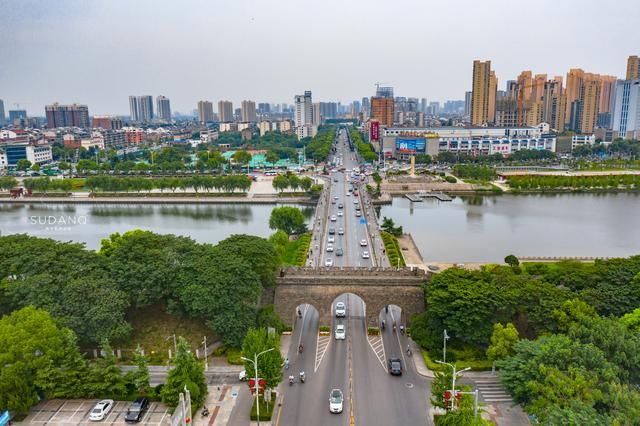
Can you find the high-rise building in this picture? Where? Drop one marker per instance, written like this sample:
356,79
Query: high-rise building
205,111
607,88
384,92
2,116
264,108
382,109
633,68
17,114
67,115
575,77
303,115
480,92
248,112
366,107
423,105
141,108
588,106
553,104
493,87
163,108
626,109
225,111
467,104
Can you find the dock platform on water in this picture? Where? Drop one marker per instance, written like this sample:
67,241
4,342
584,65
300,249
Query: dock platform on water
417,197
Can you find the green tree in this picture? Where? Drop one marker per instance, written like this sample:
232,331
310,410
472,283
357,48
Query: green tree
269,363
140,376
256,251
186,371
35,167
23,165
242,157
632,321
511,260
268,317
105,378
280,183
287,219
502,341
7,182
271,157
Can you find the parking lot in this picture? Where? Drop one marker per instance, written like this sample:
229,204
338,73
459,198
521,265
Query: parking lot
76,412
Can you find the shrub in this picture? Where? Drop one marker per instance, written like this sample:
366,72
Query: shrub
450,179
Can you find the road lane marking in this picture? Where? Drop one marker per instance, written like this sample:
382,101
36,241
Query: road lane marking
377,346
397,333
280,410
321,348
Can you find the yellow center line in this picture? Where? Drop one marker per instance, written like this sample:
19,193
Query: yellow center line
280,410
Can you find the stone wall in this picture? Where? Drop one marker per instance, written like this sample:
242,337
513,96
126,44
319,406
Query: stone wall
405,291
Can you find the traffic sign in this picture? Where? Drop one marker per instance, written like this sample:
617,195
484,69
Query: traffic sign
363,221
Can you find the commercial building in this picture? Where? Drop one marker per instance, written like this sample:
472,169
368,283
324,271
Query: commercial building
633,68
205,111
403,142
225,111
163,108
107,122
626,110
17,114
113,139
67,116
141,108
3,160
579,140
36,154
467,104
2,116
248,112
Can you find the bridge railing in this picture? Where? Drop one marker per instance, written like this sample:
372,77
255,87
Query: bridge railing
352,271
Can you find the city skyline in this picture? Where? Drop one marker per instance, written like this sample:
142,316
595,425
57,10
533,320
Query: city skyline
115,59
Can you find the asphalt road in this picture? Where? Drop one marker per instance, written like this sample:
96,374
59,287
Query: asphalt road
355,228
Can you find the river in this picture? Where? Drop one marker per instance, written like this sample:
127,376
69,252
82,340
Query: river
90,223
487,228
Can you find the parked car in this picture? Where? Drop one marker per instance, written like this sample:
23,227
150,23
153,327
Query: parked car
336,400
101,410
136,410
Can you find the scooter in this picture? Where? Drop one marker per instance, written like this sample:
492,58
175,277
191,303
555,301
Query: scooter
402,329
302,377
290,380
205,412
408,351
300,348
382,325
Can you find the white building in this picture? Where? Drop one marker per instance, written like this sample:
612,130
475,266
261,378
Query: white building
579,140
264,127
163,108
626,108
3,160
228,127
39,154
303,115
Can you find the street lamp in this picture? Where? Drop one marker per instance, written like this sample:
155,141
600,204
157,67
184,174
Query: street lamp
254,361
206,362
445,337
175,347
453,379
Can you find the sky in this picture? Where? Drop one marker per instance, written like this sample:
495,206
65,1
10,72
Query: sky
100,52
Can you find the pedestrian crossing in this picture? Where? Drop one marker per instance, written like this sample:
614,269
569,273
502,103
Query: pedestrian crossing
321,348
377,345
492,390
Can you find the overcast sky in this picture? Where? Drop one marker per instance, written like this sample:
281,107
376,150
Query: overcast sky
100,52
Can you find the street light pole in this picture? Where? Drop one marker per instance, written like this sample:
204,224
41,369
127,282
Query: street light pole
254,361
453,378
445,337
206,362
175,347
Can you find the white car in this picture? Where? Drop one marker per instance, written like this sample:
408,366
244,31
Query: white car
331,239
340,213
355,201
365,254
242,376
333,218
101,409
340,332
340,231
363,243
329,247
341,309
328,262
335,401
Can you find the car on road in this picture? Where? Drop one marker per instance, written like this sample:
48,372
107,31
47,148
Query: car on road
333,218
101,409
363,243
328,262
329,247
358,213
136,410
340,332
340,205
242,376
332,231
341,310
340,231
339,252
331,239
348,193
335,197
355,201
336,400
395,366
340,214
365,254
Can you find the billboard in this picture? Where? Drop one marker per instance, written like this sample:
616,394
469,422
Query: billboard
374,132
411,145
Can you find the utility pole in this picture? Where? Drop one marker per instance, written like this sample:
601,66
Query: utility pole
206,362
445,337
254,361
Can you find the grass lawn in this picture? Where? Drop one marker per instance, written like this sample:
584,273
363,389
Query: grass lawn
475,365
296,251
152,325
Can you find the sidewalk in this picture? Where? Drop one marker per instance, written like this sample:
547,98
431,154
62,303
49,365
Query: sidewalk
220,402
418,361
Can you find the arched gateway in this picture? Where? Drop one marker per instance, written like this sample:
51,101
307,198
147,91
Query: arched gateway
376,286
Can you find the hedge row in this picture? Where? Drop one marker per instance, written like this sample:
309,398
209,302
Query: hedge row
392,248
534,182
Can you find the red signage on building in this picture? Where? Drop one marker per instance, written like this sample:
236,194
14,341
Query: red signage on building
374,131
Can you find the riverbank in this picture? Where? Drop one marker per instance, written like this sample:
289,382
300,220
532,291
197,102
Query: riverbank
159,200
